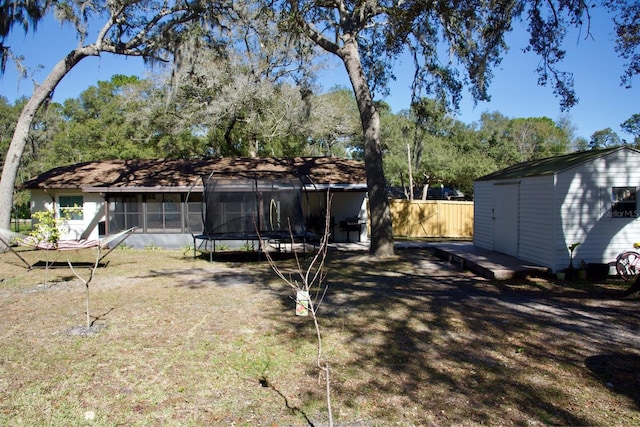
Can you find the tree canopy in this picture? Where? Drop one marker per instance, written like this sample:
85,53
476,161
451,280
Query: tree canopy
128,117
632,126
453,44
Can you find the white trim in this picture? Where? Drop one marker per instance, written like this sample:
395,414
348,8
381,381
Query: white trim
111,190
334,187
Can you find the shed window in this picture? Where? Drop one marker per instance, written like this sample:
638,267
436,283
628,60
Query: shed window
71,207
624,202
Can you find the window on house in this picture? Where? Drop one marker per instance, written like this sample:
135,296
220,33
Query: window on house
163,213
124,212
153,213
194,213
71,207
624,203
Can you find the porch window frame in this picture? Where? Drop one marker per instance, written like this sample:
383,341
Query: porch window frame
143,213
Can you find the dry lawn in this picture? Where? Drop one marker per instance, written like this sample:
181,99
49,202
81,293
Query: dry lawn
411,342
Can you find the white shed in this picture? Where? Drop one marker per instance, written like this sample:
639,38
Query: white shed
535,210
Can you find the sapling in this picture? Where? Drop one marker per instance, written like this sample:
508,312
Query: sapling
86,282
571,271
48,230
572,247
308,284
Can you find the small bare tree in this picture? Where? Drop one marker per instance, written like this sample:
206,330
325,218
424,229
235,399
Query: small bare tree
86,282
308,282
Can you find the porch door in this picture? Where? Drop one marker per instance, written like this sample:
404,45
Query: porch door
505,218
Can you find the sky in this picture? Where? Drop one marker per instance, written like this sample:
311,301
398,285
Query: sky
603,102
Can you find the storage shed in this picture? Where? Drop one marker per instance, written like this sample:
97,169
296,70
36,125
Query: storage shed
535,210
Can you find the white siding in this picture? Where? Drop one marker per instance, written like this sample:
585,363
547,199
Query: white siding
573,206
584,195
482,214
40,201
536,220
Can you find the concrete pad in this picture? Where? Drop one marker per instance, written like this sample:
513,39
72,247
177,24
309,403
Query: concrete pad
485,263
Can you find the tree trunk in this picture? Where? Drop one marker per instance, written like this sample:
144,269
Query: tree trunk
380,216
19,140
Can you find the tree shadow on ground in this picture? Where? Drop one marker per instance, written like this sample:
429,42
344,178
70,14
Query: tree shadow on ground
620,372
434,340
244,257
199,278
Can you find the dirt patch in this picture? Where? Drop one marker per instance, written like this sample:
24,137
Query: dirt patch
86,331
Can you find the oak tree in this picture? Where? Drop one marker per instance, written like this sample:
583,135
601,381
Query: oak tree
453,44
632,126
604,138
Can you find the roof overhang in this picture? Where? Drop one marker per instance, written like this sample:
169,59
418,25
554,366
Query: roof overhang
111,190
199,189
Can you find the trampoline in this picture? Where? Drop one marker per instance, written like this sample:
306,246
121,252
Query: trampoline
250,209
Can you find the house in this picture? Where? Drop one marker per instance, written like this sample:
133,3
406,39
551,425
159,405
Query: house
164,198
537,209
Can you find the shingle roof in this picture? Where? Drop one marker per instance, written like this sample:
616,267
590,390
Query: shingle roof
129,174
549,165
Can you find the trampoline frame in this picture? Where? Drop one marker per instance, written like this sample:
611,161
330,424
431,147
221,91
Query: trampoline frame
276,229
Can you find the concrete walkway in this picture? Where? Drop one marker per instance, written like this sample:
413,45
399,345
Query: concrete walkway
486,263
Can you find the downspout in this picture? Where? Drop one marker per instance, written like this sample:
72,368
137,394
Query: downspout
106,214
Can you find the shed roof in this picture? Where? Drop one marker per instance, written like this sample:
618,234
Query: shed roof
550,165
126,175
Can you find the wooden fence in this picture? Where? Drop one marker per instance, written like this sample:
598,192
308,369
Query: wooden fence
432,218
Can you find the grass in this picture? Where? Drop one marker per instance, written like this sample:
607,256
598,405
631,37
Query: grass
411,341
23,226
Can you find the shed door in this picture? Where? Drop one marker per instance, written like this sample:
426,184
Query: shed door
505,219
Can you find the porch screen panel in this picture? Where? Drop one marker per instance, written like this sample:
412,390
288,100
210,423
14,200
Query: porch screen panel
230,207
172,206
163,213
280,201
194,213
124,212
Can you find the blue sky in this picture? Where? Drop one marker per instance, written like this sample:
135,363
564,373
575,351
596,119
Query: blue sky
514,90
